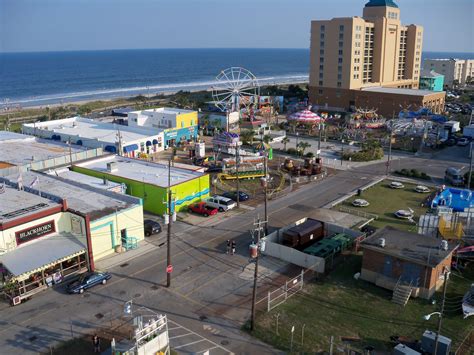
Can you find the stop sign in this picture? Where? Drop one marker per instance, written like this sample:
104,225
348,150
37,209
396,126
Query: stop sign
169,269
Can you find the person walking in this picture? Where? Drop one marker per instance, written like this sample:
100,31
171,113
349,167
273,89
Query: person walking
233,247
228,247
96,343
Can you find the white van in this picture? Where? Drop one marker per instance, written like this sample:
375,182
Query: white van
221,203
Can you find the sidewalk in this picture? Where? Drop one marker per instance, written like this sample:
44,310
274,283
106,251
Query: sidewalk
116,259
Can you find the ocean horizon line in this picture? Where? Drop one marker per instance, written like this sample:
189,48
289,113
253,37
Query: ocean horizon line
192,48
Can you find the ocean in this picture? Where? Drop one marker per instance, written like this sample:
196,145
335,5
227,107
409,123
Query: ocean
45,78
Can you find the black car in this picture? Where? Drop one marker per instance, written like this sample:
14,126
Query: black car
88,280
214,169
151,227
233,195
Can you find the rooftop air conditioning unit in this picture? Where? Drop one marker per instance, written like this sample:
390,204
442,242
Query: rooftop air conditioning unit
112,167
382,242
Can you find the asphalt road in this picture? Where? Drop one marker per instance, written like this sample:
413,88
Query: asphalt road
210,292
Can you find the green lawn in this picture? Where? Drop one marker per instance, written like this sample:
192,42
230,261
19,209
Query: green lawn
384,201
342,306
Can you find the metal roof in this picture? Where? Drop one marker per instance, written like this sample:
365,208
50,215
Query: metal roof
41,253
399,91
373,3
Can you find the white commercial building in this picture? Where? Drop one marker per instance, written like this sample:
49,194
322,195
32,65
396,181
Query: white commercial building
162,118
113,138
455,71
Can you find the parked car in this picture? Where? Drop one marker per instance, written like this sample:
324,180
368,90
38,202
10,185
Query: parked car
222,203
202,209
214,169
151,227
396,185
463,142
233,195
88,280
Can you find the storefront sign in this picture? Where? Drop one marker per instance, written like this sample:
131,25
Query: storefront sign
35,232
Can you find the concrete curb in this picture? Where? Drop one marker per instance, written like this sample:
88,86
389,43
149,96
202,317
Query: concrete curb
114,260
354,192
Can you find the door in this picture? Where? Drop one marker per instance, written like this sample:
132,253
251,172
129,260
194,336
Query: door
387,266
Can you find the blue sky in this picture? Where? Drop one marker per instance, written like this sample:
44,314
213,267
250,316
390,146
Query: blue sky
51,25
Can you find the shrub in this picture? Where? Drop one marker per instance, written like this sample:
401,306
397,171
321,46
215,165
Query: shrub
415,173
309,155
425,176
291,151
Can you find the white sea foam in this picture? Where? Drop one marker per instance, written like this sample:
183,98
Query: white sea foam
152,89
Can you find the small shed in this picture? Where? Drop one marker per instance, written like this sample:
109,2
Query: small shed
303,234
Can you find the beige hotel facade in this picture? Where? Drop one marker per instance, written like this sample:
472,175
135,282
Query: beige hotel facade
371,61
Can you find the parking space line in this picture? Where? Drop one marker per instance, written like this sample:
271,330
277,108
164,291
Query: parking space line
194,342
209,340
174,328
182,335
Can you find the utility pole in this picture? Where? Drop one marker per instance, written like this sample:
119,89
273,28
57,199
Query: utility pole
440,319
342,150
170,221
119,139
265,190
237,159
258,231
470,167
389,159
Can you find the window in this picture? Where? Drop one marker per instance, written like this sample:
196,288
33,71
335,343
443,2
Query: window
341,44
321,44
320,83
321,75
339,76
339,69
339,60
321,59
339,84
340,51
321,52
321,67
341,28
322,36
341,36
323,28
320,91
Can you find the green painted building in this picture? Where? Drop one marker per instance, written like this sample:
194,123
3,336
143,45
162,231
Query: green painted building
149,181
431,80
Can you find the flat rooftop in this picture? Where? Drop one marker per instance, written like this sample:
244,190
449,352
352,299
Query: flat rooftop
418,248
18,204
20,149
397,91
84,179
80,197
92,129
167,110
142,171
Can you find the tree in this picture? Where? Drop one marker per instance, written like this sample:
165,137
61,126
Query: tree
303,146
247,136
285,141
267,139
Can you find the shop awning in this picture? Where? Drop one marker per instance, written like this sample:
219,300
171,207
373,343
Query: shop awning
130,148
110,148
155,141
41,254
148,143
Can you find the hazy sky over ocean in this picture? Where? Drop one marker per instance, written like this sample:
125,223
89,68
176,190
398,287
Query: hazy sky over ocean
55,25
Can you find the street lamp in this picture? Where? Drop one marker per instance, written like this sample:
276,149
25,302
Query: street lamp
428,316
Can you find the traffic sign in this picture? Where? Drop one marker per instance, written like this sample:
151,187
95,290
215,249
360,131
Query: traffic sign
169,269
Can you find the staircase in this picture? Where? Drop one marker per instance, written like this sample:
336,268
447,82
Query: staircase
401,293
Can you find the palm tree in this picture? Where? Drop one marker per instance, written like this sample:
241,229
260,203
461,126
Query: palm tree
303,146
267,138
285,141
247,136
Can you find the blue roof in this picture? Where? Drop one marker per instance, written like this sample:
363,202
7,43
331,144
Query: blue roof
373,3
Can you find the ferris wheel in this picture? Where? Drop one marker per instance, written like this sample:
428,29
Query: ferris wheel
234,88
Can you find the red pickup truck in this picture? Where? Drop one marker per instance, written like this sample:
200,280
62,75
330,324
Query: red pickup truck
202,209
